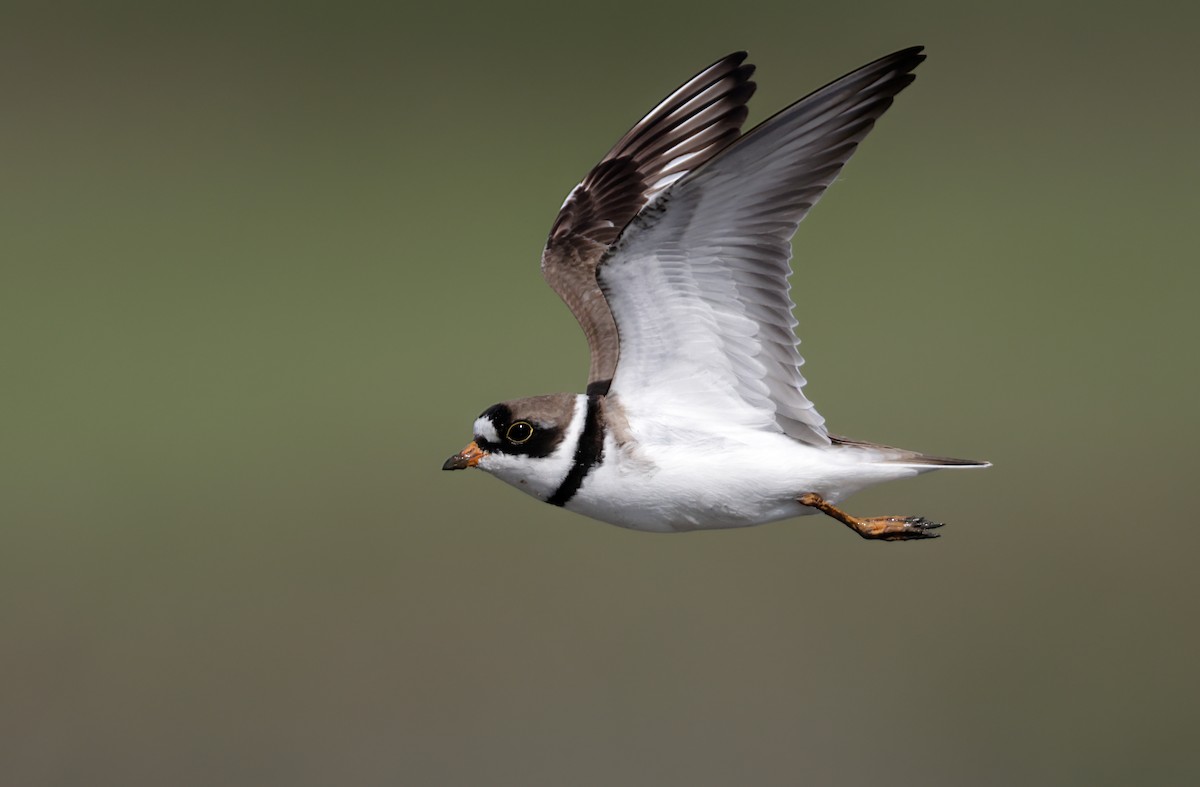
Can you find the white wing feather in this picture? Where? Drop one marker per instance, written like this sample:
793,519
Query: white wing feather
697,283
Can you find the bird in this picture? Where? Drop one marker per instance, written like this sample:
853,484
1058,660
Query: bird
673,253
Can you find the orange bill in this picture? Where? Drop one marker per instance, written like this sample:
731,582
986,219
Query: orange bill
468,457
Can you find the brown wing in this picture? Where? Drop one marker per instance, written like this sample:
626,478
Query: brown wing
684,131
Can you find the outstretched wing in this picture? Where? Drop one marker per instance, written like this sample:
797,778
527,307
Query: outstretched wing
685,130
697,283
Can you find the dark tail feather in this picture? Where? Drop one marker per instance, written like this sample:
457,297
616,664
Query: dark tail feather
901,456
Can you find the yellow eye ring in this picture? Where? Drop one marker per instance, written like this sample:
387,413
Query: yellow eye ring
519,432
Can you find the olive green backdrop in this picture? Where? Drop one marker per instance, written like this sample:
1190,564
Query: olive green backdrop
262,267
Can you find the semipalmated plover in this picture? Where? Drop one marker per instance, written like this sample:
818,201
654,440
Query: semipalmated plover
673,256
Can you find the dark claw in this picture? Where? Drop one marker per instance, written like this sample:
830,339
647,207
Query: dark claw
909,535
915,527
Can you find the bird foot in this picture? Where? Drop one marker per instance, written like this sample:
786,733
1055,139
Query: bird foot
879,528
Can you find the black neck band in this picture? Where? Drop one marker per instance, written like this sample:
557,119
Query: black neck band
588,454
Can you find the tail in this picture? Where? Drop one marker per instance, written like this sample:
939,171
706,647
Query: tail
900,456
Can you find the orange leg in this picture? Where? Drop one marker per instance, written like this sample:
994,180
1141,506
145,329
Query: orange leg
883,528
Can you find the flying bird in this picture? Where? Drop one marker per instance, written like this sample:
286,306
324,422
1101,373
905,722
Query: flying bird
673,254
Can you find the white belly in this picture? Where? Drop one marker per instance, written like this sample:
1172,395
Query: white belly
718,483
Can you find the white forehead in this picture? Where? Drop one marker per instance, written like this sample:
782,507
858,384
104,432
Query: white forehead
486,429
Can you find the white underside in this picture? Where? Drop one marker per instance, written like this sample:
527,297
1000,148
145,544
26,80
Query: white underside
672,476
714,482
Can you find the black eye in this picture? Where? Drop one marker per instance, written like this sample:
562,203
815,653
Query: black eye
520,432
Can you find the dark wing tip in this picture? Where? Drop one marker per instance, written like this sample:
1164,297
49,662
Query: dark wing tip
743,92
685,129
914,55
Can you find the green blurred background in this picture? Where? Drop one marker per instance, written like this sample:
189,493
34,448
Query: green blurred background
263,265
